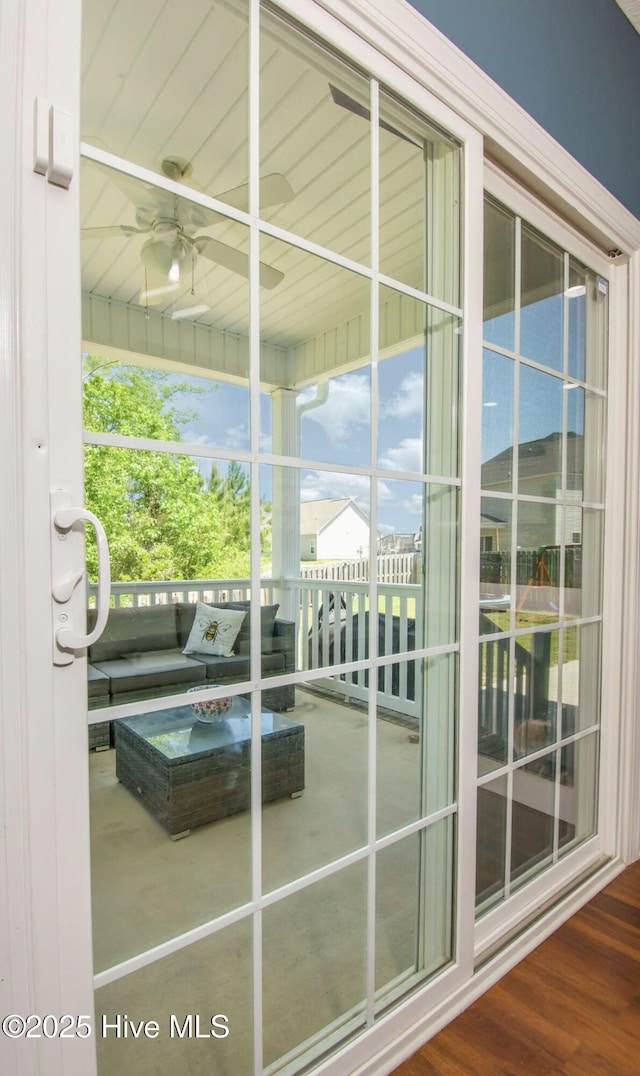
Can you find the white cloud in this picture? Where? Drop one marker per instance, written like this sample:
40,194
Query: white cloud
406,456
409,399
347,406
413,505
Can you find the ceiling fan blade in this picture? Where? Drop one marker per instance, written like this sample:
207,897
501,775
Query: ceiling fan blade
235,260
275,189
344,101
109,232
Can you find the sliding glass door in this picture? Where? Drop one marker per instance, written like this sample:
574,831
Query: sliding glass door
272,315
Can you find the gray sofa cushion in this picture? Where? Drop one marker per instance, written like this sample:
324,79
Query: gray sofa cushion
151,670
98,683
151,627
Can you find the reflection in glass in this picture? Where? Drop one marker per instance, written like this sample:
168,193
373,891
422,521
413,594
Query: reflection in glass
497,421
576,294
542,300
401,382
172,72
440,563
536,692
581,678
578,791
532,818
588,596
335,419
146,401
493,705
315,134
307,832
540,433
491,837
499,276
170,774
179,270
419,200
414,752
397,910
211,978
317,938
495,565
538,563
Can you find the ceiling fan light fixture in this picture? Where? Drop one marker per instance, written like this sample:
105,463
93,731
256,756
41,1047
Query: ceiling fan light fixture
190,311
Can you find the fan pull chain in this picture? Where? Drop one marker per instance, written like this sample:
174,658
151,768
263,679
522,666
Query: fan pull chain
193,272
146,295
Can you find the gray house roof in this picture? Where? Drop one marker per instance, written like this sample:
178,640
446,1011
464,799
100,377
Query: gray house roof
535,458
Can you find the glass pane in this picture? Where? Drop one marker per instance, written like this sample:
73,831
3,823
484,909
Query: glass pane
318,938
577,305
172,773
401,382
176,98
538,564
335,419
315,141
495,565
578,792
163,276
443,388
414,880
597,329
497,421
147,401
594,447
400,522
532,818
315,357
536,692
419,203
499,276
540,433
398,903
542,300
301,833
414,752
440,564
493,705
589,552
581,678
204,988
491,842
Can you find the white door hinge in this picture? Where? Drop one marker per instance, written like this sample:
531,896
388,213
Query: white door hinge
53,143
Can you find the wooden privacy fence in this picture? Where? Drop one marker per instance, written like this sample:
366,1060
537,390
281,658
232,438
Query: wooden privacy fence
540,567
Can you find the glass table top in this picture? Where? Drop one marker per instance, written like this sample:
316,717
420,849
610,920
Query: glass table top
177,734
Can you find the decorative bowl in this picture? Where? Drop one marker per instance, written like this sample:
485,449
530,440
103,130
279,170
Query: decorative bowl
209,710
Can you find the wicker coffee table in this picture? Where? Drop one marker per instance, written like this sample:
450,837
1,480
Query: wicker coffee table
188,773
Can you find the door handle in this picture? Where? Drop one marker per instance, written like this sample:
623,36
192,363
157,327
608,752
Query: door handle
66,581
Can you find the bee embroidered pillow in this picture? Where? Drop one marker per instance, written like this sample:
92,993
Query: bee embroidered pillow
214,631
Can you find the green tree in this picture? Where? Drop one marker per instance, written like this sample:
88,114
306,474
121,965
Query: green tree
162,520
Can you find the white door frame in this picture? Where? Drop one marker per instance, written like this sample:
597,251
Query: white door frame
45,937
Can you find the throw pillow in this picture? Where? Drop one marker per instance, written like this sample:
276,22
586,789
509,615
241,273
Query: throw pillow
214,631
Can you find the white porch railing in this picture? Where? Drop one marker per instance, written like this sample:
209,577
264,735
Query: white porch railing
332,625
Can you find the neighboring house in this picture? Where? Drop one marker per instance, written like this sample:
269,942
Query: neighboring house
333,530
397,543
539,475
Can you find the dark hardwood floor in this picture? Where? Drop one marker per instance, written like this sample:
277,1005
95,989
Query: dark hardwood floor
572,1006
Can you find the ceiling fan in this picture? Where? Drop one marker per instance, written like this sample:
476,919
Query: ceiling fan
173,247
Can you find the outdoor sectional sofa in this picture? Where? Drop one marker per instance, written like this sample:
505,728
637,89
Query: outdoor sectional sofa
139,656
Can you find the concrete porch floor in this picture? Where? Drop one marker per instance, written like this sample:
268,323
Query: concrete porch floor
148,889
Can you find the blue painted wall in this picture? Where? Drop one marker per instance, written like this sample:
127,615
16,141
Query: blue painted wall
574,65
